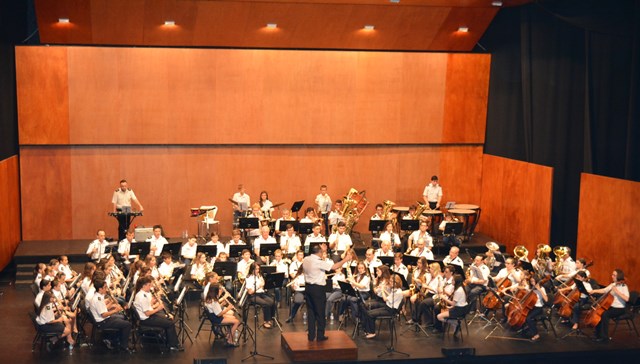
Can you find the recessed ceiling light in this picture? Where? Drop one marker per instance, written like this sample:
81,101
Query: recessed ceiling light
496,3
394,1
369,27
463,29
63,20
272,25
170,23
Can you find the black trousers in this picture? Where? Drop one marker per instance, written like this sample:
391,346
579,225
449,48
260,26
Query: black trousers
158,320
116,322
316,305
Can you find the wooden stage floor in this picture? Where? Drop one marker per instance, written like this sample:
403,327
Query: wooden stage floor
15,346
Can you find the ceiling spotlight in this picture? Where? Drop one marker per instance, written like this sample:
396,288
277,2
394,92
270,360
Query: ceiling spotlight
463,29
394,1
170,23
496,3
63,20
369,27
272,25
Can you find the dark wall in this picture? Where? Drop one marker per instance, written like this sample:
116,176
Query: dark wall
564,93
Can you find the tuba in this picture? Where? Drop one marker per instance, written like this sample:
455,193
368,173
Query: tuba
419,210
353,204
560,252
387,206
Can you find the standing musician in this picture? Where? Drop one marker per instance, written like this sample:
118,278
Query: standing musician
50,320
315,269
96,249
264,238
432,194
620,292
242,203
148,307
419,280
421,233
255,288
109,317
323,204
422,250
219,315
392,296
453,257
266,206
281,223
124,247
340,240
537,310
389,235
456,303
399,267
157,240
290,242
371,261
189,249
335,216
478,279
121,201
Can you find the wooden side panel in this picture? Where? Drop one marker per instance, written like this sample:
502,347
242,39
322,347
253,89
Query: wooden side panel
516,202
171,180
197,96
43,98
607,233
10,207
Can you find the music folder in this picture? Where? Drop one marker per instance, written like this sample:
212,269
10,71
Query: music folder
410,260
141,249
305,228
267,250
173,248
235,251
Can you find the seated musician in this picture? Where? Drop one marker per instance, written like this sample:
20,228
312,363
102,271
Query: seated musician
453,257
189,249
65,268
39,272
421,233
392,296
200,267
567,267
255,213
124,247
445,291
210,279
150,310
389,235
51,321
297,287
96,249
255,288
584,300
235,238
537,310
340,240
336,293
385,249
511,273
450,239
264,238
620,292
336,215
281,223
361,282
281,267
165,270
399,267
62,296
266,206
434,284
379,211
107,316
218,314
310,216
45,285
290,242
296,263
371,261
419,279
422,250
226,281
456,302
315,236
157,240
478,280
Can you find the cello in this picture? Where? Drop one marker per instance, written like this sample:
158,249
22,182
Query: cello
492,300
518,315
593,317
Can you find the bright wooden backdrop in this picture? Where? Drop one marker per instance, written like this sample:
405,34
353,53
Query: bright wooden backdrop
10,207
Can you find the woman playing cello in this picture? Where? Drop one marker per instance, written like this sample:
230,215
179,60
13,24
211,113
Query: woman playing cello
620,292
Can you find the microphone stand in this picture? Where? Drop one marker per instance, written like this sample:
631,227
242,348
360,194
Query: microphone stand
254,353
183,328
392,326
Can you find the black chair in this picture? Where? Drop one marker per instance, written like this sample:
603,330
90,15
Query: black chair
630,313
459,320
143,333
221,330
545,319
34,289
44,337
96,329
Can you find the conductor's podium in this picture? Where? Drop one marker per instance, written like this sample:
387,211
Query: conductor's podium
339,347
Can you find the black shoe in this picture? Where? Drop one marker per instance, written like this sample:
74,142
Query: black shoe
323,338
176,348
311,338
108,344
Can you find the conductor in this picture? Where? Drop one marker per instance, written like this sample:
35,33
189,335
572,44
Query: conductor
315,268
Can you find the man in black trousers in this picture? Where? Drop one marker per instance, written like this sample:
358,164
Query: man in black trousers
314,270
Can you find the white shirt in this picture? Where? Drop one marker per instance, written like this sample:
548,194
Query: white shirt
166,270
189,251
244,198
514,276
428,240
540,301
373,264
433,193
381,253
402,269
38,299
124,246
213,307
123,198
66,270
281,266
299,284
101,245
281,224
394,299
480,273
315,269
222,247
422,253
323,203
86,284
312,238
457,261
243,266
618,302
98,307
291,243
158,243
365,283
255,282
343,241
293,268
46,315
142,303
335,217
395,239
459,297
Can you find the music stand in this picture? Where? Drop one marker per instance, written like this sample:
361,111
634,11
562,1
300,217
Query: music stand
225,268
235,251
377,225
208,250
267,250
454,228
182,334
410,260
249,223
457,269
388,261
141,249
409,225
305,228
268,269
526,266
173,248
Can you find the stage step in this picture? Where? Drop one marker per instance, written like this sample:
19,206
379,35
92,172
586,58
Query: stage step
339,347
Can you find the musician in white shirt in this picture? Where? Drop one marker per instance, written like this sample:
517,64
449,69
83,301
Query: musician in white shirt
109,317
335,215
124,247
296,263
340,240
389,235
244,264
65,268
323,204
385,249
399,267
255,288
255,213
96,249
281,223
421,250
315,236
149,310
264,238
620,292
242,202
281,267
189,250
371,261
421,233
290,242
157,241
266,206
457,302
478,280
235,238
453,257
432,194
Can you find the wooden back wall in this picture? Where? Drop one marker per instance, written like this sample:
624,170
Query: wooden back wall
607,227
185,126
10,207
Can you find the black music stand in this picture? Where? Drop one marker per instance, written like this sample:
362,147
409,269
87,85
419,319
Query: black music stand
245,223
267,250
410,260
305,228
405,284
409,225
439,262
453,228
208,250
377,225
173,248
254,353
388,261
235,251
297,206
225,268
141,249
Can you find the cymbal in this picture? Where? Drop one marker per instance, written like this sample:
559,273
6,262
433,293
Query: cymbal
278,205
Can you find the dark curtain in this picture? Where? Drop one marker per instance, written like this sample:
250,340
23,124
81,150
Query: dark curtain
564,93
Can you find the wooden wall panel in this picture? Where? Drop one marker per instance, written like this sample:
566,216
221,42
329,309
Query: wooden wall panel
171,180
608,226
516,202
10,207
197,96
42,89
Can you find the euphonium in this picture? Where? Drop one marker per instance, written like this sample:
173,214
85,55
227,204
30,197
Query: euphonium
387,206
419,210
560,252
